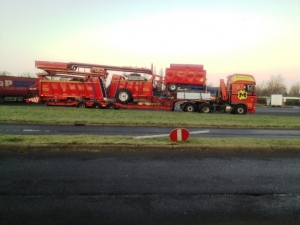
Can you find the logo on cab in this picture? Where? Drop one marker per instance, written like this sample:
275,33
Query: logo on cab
242,95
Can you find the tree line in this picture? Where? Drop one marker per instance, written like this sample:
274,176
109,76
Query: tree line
6,73
276,85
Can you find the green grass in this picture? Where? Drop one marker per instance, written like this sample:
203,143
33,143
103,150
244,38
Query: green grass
70,115
129,140
67,115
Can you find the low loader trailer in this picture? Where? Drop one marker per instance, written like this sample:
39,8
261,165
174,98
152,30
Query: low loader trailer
88,85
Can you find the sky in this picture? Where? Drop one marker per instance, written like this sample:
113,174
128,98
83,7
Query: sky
258,37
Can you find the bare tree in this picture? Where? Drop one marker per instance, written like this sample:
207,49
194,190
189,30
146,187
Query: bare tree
5,73
260,89
295,90
209,85
27,75
276,85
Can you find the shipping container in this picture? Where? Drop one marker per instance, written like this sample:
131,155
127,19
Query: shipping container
14,88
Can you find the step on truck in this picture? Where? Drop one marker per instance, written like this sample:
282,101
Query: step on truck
113,87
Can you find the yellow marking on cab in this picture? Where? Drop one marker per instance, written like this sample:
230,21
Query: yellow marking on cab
242,95
242,78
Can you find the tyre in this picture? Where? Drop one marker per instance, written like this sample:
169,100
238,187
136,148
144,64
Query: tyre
81,105
205,108
96,106
172,87
123,96
110,106
240,110
190,107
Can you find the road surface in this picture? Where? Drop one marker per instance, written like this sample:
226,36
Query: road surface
150,188
141,131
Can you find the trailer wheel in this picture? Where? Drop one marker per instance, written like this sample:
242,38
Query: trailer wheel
190,107
172,87
205,108
124,96
110,106
81,105
240,110
96,106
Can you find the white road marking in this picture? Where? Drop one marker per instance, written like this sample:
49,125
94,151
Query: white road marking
29,130
166,135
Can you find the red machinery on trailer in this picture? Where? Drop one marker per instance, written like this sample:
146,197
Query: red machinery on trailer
87,85
179,75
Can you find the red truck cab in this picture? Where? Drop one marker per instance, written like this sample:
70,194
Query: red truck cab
240,93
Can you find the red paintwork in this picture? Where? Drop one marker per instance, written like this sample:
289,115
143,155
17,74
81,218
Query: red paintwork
224,92
72,91
186,74
84,68
60,91
236,85
114,68
11,86
140,89
45,65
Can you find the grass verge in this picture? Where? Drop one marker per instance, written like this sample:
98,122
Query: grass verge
164,142
70,115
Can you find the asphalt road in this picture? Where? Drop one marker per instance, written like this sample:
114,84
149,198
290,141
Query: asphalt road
141,131
150,188
278,111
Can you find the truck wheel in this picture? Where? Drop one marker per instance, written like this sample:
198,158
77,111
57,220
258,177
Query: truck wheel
96,106
81,105
190,107
205,108
240,110
123,96
110,106
1,100
172,87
